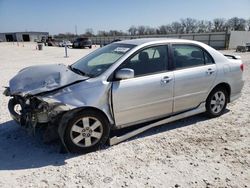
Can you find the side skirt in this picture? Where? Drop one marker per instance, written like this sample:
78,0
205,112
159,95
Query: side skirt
117,139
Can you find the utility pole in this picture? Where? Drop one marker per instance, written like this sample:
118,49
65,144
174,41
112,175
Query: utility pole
76,29
66,49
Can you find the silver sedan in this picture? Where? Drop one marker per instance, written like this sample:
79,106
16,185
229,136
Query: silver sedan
149,81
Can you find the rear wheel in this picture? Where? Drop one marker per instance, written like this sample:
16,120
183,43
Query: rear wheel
216,102
86,131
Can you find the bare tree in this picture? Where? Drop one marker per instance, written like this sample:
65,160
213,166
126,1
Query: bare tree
176,27
162,30
141,30
116,33
219,24
150,31
102,33
65,36
89,32
237,24
165,29
203,26
132,30
209,26
248,25
189,25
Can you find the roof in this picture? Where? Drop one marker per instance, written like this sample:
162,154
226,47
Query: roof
33,32
152,40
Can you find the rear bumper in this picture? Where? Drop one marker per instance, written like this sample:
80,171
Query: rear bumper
237,92
234,97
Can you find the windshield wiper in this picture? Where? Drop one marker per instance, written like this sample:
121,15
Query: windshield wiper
78,71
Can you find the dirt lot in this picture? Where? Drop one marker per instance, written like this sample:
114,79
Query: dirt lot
194,152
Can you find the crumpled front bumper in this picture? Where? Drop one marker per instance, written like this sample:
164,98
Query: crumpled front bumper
35,110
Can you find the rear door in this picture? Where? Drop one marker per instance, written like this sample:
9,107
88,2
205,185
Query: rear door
194,74
149,94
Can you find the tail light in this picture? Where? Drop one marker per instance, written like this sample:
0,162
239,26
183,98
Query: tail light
242,67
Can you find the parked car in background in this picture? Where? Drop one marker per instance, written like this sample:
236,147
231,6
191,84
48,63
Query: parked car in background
241,49
82,43
51,41
248,46
150,81
67,43
116,40
106,43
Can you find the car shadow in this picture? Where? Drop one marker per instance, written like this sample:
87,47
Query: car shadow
20,149
189,121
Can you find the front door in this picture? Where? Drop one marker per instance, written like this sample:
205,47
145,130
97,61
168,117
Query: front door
149,94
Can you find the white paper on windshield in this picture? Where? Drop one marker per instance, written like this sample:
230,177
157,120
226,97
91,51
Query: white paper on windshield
121,49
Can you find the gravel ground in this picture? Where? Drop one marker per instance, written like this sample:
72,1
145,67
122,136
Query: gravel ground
194,152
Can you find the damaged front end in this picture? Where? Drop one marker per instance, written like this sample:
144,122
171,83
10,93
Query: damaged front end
27,105
32,112
29,111
43,96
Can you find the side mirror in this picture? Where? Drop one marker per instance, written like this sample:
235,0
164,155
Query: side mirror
124,73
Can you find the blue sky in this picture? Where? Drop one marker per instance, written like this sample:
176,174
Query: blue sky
59,16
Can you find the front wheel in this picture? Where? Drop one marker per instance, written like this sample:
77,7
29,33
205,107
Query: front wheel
216,102
86,131
15,110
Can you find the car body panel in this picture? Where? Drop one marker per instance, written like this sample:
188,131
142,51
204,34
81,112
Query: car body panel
89,93
192,86
42,78
142,98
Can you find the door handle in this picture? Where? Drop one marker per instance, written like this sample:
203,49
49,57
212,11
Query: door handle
210,71
166,79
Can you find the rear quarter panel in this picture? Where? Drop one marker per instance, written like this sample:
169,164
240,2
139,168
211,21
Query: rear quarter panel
229,72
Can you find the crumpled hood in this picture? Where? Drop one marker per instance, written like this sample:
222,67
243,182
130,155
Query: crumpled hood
37,79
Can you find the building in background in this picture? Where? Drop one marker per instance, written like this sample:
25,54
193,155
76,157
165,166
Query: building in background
239,38
29,36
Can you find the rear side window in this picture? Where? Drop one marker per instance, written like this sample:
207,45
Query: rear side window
190,56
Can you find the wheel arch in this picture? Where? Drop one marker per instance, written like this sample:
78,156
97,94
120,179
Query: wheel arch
96,110
67,115
224,85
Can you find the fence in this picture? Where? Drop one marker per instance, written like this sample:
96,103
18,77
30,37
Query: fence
218,40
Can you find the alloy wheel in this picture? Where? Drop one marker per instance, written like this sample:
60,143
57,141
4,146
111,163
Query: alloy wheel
218,102
86,132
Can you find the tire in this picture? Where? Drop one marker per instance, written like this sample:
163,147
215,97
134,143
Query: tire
16,116
86,131
90,47
216,102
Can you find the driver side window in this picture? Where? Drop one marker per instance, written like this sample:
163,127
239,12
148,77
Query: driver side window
148,61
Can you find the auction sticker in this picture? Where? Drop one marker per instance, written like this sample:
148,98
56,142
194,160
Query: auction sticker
121,49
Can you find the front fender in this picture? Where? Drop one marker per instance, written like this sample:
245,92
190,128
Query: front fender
79,96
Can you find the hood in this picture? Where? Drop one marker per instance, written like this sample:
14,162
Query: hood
37,79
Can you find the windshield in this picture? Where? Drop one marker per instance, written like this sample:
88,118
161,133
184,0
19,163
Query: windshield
100,60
